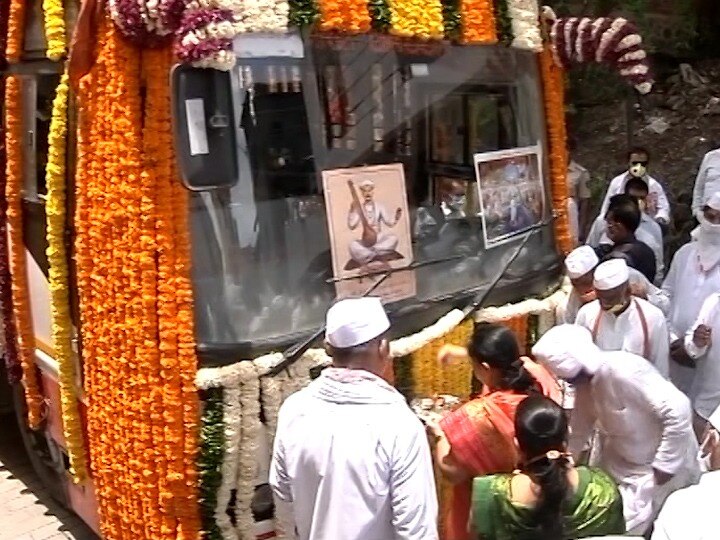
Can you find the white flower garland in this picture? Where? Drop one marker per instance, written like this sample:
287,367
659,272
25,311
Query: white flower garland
266,15
249,446
525,17
531,306
607,37
408,345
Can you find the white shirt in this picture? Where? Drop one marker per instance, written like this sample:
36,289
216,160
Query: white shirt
566,312
707,181
645,423
691,513
657,200
352,462
624,332
649,232
705,392
686,287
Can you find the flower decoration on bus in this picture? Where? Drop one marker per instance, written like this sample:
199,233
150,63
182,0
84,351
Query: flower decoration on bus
613,42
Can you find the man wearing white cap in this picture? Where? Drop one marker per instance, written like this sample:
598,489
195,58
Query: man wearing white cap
691,513
619,321
579,266
350,460
707,181
694,275
644,423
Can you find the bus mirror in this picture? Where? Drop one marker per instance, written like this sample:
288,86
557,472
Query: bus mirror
204,128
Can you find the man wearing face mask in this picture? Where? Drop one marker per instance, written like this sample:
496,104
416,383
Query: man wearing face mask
691,513
645,425
579,267
693,276
707,181
619,321
658,206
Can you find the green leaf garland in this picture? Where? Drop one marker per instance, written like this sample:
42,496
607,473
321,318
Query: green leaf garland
452,19
303,13
503,22
212,444
380,15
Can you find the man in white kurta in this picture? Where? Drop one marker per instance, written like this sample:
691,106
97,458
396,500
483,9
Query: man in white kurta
691,513
707,181
350,460
619,321
702,343
694,275
645,424
578,178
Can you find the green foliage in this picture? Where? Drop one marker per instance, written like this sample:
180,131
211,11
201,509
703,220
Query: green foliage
212,443
452,19
503,22
380,15
302,13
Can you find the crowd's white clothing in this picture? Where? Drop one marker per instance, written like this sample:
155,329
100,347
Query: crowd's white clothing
566,312
644,423
707,181
657,201
686,287
691,513
577,179
626,332
649,232
705,393
352,462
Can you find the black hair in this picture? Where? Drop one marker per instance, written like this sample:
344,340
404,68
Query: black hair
636,184
572,143
541,426
625,210
497,346
638,150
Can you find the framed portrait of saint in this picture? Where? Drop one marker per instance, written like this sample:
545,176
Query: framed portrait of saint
511,192
369,228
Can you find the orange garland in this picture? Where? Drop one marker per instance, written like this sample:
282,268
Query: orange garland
16,30
519,326
346,16
136,301
21,306
478,22
553,80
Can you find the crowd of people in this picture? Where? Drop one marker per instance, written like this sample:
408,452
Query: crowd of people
611,428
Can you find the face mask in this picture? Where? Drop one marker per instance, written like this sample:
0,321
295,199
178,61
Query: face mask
709,229
456,202
617,308
637,170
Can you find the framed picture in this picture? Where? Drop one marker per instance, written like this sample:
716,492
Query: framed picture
511,192
446,138
369,226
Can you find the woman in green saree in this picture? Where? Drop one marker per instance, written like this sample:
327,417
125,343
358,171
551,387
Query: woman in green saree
548,498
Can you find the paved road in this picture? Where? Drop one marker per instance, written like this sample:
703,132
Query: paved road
26,510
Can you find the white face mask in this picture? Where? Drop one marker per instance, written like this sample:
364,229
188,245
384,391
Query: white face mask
708,244
638,171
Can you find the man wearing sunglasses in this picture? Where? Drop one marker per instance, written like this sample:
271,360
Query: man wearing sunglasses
658,206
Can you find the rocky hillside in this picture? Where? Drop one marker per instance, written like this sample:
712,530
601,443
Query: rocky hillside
678,123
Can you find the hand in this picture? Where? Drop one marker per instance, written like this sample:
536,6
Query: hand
433,428
702,336
661,477
451,353
398,214
639,290
679,354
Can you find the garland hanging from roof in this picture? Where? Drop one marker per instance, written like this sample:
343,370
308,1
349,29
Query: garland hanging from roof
54,25
614,42
15,30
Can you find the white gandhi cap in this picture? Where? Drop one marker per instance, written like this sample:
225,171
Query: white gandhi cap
581,261
713,201
355,321
611,274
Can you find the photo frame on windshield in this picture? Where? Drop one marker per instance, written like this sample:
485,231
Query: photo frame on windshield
511,192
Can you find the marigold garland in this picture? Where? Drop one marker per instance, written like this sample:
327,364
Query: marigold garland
346,16
16,30
54,18
20,302
136,300
553,82
421,19
478,22
62,328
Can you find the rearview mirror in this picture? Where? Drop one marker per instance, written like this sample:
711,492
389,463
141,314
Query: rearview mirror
204,128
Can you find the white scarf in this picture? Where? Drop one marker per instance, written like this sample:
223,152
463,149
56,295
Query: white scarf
708,239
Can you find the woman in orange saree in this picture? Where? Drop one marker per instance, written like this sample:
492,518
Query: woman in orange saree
479,437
